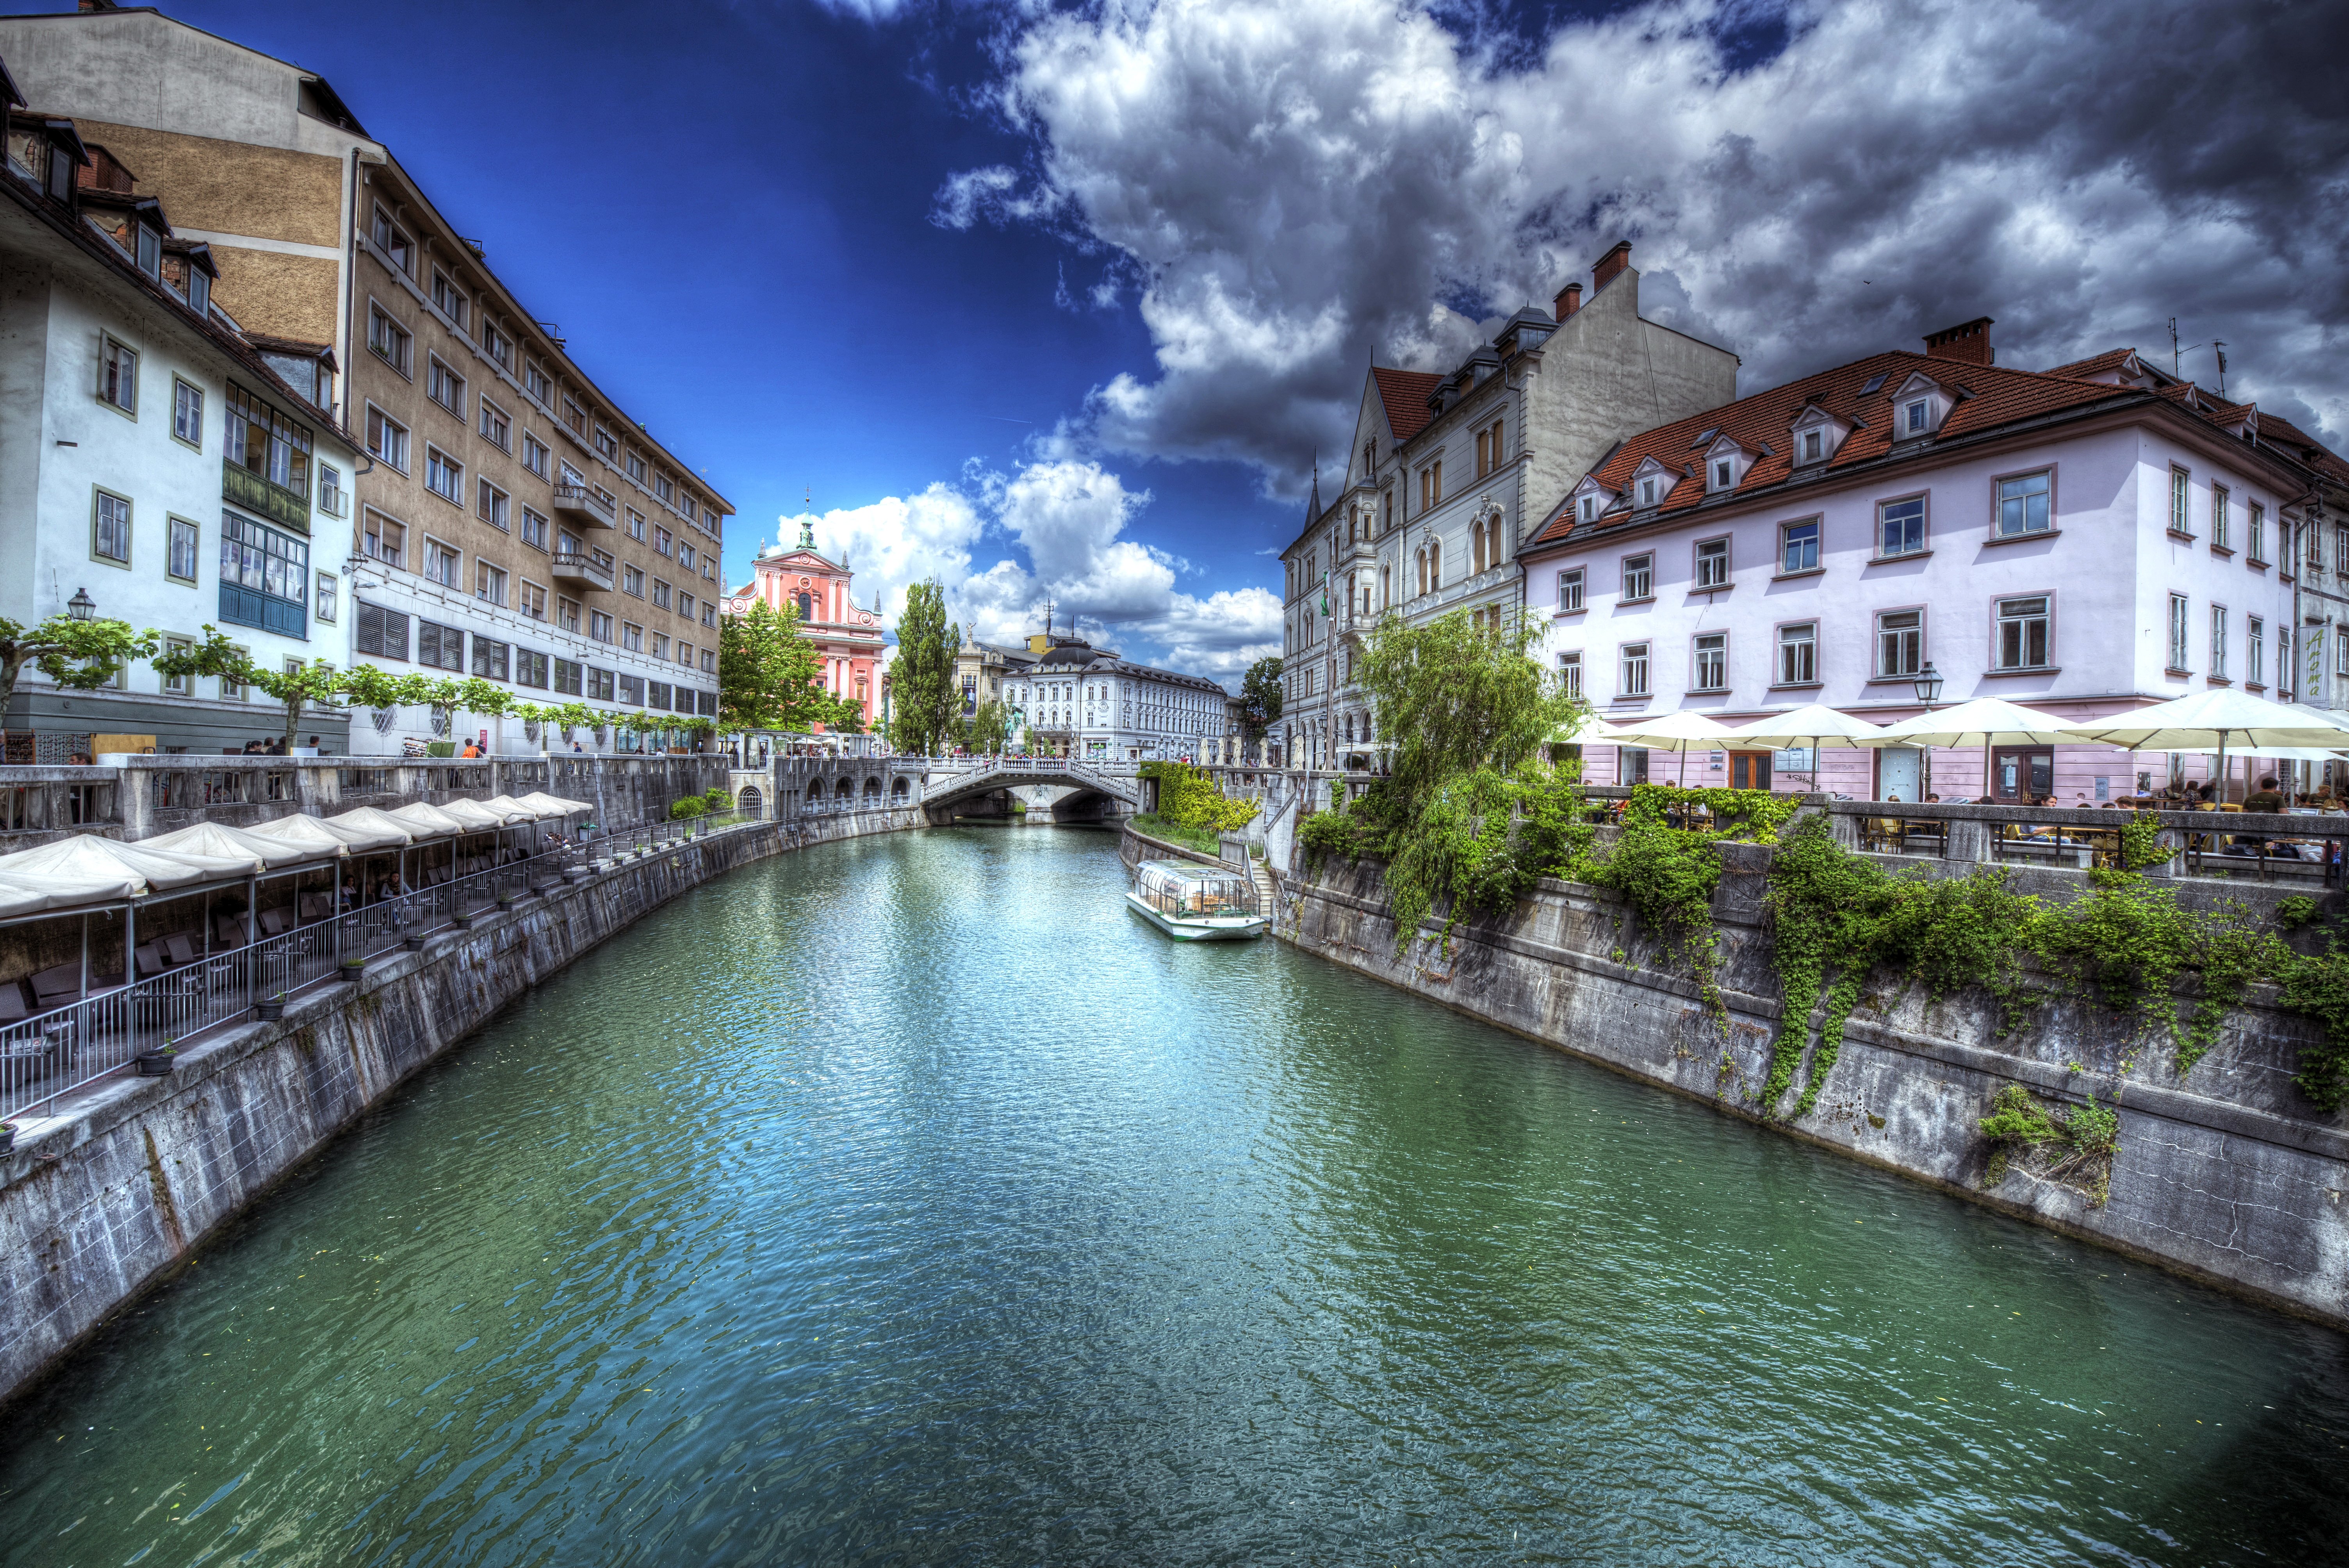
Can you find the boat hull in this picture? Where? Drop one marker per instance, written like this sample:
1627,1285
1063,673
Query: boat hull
1203,930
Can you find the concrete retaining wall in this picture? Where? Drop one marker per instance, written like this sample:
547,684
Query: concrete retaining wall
2227,1175
95,1206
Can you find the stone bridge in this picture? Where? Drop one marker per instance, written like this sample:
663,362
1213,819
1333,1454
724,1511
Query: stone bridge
1095,789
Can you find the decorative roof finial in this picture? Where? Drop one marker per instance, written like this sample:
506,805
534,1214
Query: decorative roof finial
807,518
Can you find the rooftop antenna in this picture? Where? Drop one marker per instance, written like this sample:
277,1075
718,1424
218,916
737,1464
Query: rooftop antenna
2173,345
2220,345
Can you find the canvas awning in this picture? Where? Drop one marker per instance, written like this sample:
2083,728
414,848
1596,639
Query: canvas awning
428,821
87,869
471,815
266,850
554,805
341,836
515,810
367,820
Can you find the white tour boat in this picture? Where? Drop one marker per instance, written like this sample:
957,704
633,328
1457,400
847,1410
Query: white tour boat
1196,904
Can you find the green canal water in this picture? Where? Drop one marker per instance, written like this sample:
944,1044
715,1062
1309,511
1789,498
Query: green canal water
905,1200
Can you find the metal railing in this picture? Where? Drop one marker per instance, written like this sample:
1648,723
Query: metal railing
57,1051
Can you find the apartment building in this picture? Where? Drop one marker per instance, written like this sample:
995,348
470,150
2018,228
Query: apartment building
1086,703
1449,474
2081,541
155,466
511,522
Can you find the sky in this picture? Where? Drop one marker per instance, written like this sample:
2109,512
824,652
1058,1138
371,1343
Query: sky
1056,305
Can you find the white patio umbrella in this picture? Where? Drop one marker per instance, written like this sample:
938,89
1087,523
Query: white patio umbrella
1675,731
263,850
554,805
1814,725
298,829
515,812
425,821
475,817
367,820
1985,721
2211,720
111,869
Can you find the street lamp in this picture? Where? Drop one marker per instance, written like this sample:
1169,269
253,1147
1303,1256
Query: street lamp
81,606
1929,692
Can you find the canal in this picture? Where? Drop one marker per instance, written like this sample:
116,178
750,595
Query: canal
904,1201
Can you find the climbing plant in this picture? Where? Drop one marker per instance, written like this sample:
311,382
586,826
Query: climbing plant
2074,1145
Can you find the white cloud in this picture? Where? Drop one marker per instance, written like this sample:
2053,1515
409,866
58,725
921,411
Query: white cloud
1294,182
1068,518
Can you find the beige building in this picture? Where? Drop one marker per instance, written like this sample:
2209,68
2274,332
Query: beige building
1448,474
513,523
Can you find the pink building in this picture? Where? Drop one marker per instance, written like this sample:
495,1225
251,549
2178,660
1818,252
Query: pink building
847,639
2084,541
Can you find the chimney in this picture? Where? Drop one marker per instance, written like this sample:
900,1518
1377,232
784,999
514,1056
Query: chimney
1569,300
1603,271
1968,342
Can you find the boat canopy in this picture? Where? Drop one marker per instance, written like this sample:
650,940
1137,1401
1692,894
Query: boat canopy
1181,885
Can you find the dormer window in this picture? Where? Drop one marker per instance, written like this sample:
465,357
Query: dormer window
1648,488
1813,446
1918,408
1725,466
150,252
1917,418
200,292
1590,512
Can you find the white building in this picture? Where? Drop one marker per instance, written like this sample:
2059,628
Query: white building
1098,708
1449,474
150,458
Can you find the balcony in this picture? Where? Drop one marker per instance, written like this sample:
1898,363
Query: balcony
579,502
582,571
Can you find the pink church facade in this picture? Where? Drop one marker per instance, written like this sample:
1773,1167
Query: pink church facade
848,640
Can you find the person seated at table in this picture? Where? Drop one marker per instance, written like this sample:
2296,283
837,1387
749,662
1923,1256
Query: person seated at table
1932,800
2266,798
1893,798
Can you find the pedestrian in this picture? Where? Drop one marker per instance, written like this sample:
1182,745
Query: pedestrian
2264,799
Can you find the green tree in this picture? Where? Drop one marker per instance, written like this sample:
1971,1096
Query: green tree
985,732
923,672
80,655
303,684
1260,697
767,674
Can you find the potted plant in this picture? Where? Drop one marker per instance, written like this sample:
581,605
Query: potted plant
353,968
271,1008
7,1137
159,1062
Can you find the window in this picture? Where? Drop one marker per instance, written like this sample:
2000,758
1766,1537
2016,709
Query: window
1901,527
567,677
329,604
386,541
533,529
660,646
599,684
444,476
1634,679
662,541
657,694
264,577
530,668
1488,448
496,344
2255,650
1917,418
685,654
444,294
440,562
1569,591
1813,446
393,241
2179,617
2022,505
2315,549
2255,534
535,454
664,488
392,343
1710,665
439,647
179,559
178,685
2341,652
708,613
1713,563
534,381
1431,486
573,414
1899,643
2179,517
1639,577
2220,520
636,467
492,659
111,528
604,443
632,581
2341,548
230,691
2217,642
599,625
1649,492
1798,547
446,387
531,600
150,252
1798,654
1569,673
632,690
566,613
2022,640
117,377
685,605
660,594
381,631
636,524
632,636
330,490
387,439
489,584
187,412
685,556
708,661
495,427
262,441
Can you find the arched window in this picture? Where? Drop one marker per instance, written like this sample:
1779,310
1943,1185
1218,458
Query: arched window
1493,550
1435,565
1386,586
1419,559
807,607
1476,548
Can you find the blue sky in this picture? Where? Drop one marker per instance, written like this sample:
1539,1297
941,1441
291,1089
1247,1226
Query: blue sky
1056,303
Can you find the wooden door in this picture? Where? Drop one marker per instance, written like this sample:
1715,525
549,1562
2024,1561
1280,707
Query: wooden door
1749,770
2021,775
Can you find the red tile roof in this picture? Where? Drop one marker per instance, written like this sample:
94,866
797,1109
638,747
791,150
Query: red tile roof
1405,393
1989,395
2297,444
2082,369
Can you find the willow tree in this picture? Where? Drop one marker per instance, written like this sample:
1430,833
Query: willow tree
922,675
1466,712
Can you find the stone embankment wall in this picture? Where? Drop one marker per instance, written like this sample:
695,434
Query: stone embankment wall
2225,1174
97,1205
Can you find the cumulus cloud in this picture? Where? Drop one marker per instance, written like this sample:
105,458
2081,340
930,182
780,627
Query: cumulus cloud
1066,517
1296,182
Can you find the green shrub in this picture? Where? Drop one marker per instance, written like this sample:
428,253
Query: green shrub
689,807
718,798
2296,911
1189,796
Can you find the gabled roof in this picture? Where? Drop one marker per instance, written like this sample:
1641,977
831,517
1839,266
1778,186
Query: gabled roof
1989,395
2103,364
2281,433
1404,395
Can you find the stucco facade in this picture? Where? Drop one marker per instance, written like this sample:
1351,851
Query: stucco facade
848,640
